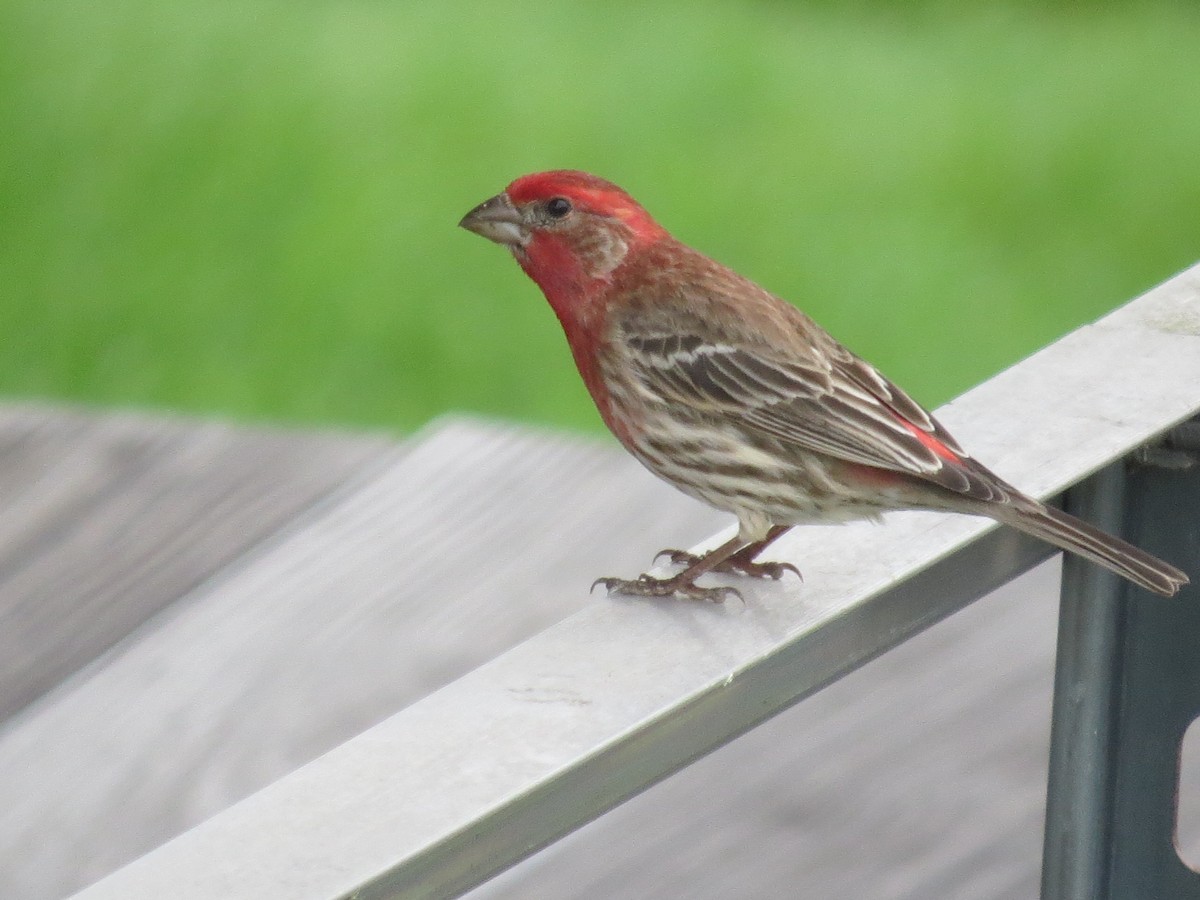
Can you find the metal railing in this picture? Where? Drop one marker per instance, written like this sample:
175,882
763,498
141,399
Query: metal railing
526,748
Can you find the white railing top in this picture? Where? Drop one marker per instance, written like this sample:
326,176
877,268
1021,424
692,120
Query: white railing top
475,776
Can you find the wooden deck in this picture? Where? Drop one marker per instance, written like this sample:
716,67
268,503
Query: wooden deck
189,611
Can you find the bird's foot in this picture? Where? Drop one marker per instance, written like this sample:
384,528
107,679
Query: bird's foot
735,565
645,586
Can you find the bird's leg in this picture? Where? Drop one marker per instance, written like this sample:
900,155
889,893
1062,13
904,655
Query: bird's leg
683,584
742,562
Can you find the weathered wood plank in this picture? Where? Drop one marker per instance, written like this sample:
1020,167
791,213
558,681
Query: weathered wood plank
920,775
106,519
319,634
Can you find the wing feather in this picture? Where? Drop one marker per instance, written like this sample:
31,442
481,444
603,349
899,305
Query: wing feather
825,400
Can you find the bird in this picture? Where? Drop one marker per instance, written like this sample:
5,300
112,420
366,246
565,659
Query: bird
740,400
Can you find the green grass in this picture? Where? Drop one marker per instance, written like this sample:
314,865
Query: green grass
249,208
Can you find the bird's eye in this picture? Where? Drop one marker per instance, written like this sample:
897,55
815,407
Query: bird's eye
558,207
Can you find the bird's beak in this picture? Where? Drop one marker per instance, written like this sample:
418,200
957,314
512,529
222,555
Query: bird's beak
498,220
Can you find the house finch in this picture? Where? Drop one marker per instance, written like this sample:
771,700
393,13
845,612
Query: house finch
739,399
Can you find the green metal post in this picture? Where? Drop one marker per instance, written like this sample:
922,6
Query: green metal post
1127,686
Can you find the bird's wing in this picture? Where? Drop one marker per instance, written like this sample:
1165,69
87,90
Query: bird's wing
805,390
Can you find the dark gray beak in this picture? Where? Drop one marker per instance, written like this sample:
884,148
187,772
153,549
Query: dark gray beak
497,220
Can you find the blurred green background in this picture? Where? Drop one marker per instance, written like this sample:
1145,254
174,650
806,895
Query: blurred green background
248,208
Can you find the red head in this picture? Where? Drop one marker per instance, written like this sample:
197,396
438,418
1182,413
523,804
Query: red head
569,230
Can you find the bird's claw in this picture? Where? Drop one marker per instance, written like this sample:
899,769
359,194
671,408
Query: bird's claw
677,557
775,570
733,565
645,586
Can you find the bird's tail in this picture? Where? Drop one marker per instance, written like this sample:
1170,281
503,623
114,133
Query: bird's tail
1091,543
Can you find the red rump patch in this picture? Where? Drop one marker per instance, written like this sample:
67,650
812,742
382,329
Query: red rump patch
930,441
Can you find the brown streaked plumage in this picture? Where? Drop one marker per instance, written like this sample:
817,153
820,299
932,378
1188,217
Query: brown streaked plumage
737,398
